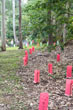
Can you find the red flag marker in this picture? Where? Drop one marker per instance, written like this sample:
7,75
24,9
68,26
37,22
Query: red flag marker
69,84
26,58
58,57
36,76
43,103
30,51
72,82
33,49
69,72
50,68
25,61
26,53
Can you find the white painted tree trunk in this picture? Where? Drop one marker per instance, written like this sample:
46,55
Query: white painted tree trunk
3,37
14,30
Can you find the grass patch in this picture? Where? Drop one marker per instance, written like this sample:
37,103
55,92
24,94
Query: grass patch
9,64
10,84
16,48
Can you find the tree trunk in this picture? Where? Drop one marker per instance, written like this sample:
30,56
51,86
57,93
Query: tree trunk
64,33
3,27
20,33
64,26
15,38
50,37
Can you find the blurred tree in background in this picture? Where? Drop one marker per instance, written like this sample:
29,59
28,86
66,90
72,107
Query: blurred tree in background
42,20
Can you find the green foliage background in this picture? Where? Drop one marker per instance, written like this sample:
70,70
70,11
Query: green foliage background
35,19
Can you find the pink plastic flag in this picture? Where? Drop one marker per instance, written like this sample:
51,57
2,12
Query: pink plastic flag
25,61
58,57
68,90
72,82
30,51
50,68
69,71
26,55
26,52
33,49
36,76
43,103
26,58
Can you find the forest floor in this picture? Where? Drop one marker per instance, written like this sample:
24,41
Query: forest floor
17,90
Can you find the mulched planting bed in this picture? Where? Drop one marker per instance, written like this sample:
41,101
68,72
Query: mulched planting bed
54,85
26,94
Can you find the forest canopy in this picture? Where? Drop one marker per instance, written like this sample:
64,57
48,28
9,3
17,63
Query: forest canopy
42,20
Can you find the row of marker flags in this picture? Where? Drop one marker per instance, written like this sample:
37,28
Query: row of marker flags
44,97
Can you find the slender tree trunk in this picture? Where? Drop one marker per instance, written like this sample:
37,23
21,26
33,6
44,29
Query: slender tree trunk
50,37
15,38
64,33
3,27
65,25
20,33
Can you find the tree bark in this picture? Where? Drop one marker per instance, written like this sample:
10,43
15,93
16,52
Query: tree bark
15,38
50,37
65,25
64,33
20,33
3,27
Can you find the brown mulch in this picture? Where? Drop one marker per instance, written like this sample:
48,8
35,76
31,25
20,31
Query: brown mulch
55,86
27,97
